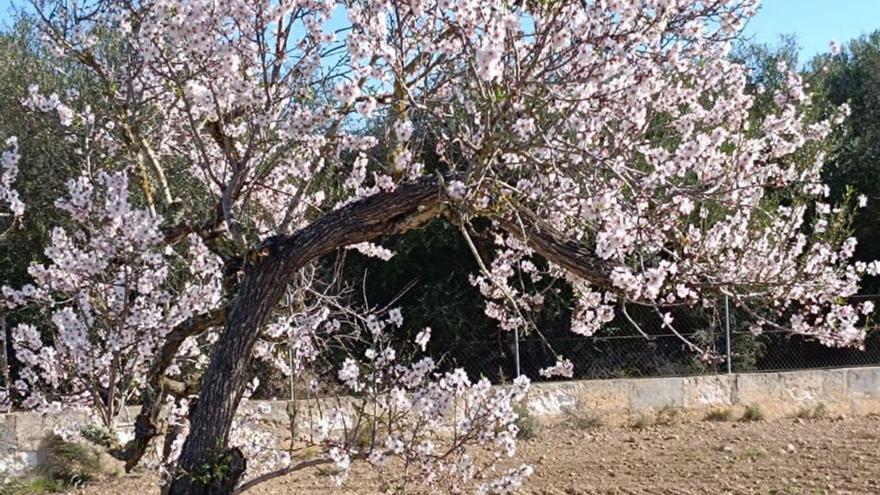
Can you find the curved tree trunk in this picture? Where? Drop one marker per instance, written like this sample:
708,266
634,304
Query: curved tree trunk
265,279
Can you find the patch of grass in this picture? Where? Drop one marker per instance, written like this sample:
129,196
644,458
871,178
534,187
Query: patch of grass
69,463
752,413
666,416
641,422
328,471
62,465
819,411
582,420
719,415
31,485
526,422
370,430
753,454
98,435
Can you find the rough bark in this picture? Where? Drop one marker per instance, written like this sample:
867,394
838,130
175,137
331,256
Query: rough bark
146,426
263,284
572,256
265,278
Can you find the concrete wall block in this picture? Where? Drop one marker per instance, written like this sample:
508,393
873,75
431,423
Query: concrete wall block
604,396
799,387
804,387
656,393
781,394
865,406
708,391
269,410
834,385
31,428
7,434
863,381
552,399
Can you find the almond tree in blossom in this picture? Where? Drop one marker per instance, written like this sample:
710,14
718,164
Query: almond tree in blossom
607,143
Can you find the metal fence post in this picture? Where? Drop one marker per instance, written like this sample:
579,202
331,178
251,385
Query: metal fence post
516,349
727,332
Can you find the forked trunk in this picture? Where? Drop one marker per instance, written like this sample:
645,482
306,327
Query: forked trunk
206,464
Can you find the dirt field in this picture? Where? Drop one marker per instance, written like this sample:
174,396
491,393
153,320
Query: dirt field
789,456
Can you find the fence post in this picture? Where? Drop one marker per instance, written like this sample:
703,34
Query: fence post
727,332
516,349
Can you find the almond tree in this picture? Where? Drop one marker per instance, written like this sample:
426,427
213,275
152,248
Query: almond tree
610,144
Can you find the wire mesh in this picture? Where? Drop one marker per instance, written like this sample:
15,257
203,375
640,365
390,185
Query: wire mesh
653,350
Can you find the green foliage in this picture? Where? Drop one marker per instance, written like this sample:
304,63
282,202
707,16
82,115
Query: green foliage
819,411
47,161
526,422
719,415
582,420
217,469
31,485
68,463
753,454
641,422
752,413
666,416
98,435
853,78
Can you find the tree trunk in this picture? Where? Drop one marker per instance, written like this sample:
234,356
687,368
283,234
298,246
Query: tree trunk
263,284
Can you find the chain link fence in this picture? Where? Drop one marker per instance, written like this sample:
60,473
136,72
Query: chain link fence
623,351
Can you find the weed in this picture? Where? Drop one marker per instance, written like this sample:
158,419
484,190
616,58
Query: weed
641,422
818,411
754,454
752,413
666,416
63,465
98,435
369,432
583,421
31,485
526,422
719,415
579,419
69,463
328,471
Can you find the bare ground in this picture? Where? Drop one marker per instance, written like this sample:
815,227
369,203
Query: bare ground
789,456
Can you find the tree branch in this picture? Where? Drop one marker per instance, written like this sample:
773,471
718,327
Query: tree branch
146,425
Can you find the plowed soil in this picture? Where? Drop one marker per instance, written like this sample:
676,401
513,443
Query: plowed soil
790,456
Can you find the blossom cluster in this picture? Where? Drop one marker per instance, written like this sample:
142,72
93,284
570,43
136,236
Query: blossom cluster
448,430
9,163
108,294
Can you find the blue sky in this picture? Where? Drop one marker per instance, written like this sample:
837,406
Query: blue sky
814,22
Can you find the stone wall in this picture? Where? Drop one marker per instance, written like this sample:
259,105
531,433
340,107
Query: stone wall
854,391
